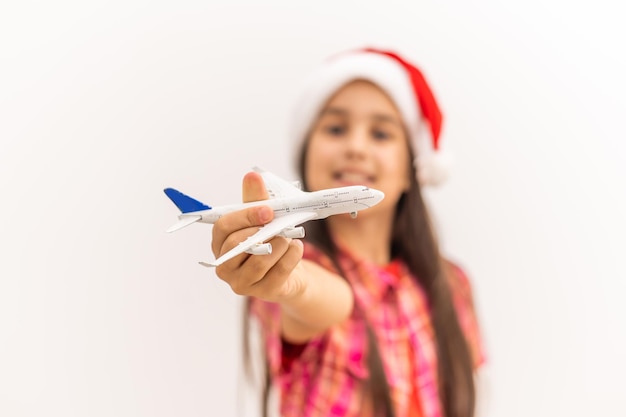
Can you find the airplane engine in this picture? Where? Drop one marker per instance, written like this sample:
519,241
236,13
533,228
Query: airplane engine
260,249
293,233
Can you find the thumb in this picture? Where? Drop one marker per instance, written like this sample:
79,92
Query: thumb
253,188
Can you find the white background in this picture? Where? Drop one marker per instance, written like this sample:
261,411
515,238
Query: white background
104,104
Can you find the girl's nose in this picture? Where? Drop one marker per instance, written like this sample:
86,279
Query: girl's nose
357,143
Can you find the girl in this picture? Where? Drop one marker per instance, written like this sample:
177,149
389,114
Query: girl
365,318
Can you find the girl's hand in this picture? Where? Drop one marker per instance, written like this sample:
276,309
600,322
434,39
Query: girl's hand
269,277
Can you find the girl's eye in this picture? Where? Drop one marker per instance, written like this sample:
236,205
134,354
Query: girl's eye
335,130
380,134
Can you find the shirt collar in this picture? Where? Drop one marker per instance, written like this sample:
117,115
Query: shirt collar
370,281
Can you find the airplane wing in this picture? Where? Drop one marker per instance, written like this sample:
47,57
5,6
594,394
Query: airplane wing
265,233
184,222
276,186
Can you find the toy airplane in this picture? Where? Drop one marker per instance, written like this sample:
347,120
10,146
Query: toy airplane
291,206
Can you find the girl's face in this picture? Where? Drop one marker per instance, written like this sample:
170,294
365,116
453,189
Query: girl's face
359,139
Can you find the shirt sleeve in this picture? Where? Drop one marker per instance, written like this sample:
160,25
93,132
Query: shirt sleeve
281,355
268,317
466,313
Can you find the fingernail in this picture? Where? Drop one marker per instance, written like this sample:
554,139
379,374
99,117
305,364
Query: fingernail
265,214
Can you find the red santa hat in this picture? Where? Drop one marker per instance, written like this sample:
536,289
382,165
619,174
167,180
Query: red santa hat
404,84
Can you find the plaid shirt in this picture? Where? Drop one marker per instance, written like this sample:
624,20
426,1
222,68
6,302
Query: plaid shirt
328,377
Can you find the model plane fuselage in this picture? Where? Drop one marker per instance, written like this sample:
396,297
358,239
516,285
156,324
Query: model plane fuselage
324,203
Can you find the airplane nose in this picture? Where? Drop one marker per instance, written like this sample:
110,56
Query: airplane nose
378,196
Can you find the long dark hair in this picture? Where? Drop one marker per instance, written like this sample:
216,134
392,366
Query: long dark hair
414,242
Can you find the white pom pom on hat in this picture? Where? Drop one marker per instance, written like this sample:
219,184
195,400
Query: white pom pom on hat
404,84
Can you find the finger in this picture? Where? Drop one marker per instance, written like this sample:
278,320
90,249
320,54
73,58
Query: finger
230,223
230,242
254,267
273,285
253,188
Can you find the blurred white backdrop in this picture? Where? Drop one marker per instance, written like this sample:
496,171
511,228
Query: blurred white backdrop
103,104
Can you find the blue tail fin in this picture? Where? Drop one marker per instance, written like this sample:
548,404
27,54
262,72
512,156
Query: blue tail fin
185,203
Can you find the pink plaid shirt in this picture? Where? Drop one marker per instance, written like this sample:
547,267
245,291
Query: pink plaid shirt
328,377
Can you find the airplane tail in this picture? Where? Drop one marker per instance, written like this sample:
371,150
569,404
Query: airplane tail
185,203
